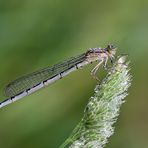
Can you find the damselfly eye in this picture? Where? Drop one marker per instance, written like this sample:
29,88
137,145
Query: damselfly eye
110,46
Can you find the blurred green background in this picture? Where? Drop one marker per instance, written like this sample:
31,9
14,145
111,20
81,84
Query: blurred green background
38,33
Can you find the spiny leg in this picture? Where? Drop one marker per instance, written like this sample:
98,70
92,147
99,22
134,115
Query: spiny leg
95,69
105,63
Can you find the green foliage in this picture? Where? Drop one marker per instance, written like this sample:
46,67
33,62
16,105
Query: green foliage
102,109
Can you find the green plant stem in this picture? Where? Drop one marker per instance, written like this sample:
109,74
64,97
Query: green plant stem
102,109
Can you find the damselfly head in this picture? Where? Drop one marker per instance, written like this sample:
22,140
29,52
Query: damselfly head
111,50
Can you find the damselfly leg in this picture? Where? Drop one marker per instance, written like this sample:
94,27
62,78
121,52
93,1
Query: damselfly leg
96,68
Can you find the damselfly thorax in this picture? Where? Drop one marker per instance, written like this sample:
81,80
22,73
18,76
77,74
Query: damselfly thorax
100,55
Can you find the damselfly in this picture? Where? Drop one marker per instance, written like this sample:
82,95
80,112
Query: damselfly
30,83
